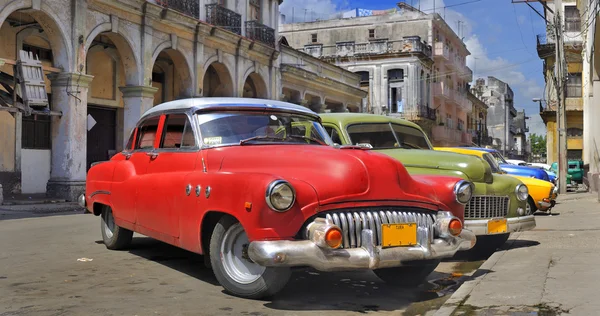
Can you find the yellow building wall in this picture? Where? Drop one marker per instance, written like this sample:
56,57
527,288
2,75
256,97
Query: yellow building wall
7,121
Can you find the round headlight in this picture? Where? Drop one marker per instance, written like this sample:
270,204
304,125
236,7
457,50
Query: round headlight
522,192
280,196
463,191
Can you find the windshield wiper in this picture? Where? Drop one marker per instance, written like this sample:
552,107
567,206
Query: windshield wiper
409,146
243,141
309,138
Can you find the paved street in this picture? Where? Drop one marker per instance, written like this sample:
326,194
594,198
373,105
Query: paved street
40,275
551,270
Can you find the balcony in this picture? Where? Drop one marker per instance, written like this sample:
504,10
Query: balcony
441,50
261,33
187,7
224,18
466,138
426,113
343,49
413,44
448,135
441,90
373,47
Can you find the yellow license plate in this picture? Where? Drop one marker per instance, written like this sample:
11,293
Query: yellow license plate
398,235
497,226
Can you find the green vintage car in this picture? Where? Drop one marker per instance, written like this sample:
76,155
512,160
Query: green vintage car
495,209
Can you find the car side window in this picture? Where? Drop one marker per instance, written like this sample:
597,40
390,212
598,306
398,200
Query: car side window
177,133
129,145
147,133
333,133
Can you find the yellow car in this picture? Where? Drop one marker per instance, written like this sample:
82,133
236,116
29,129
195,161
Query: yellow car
542,194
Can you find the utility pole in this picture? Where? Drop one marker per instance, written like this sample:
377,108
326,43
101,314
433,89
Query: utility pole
561,117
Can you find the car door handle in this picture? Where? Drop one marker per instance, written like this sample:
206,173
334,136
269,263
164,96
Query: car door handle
152,155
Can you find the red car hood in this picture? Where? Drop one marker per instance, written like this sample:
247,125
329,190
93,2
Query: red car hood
337,175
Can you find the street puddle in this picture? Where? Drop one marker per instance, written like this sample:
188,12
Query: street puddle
437,291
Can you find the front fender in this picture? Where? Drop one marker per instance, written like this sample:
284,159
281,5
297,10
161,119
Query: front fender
248,205
443,189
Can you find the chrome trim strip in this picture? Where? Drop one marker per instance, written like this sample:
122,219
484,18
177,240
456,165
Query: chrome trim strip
99,192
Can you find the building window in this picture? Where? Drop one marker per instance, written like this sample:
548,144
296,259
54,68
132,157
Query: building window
314,38
396,75
255,10
42,53
364,78
574,85
372,33
574,132
36,132
572,19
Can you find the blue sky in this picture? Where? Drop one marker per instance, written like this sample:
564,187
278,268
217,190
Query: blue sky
500,35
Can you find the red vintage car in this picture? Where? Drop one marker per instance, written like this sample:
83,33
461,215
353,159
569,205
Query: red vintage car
258,187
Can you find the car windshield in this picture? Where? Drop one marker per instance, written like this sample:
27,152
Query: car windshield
499,157
387,135
492,162
251,127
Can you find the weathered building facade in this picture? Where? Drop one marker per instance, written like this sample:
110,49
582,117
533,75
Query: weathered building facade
403,73
106,62
501,112
591,90
477,120
573,46
521,148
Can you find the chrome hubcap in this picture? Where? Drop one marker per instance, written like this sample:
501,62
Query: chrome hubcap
528,208
109,224
235,259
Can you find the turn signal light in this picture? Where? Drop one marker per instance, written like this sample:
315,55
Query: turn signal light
455,227
333,238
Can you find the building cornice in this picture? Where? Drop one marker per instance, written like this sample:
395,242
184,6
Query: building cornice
300,76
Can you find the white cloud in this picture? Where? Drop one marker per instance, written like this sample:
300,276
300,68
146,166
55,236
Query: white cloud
309,10
483,64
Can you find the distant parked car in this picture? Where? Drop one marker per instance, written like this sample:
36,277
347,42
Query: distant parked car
575,171
516,162
499,203
547,168
542,194
258,187
524,171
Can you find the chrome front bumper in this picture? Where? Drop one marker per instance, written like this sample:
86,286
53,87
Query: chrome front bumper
514,224
286,253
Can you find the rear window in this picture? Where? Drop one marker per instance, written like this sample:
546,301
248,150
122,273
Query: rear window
387,135
492,162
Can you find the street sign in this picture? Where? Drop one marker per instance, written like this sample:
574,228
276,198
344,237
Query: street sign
90,122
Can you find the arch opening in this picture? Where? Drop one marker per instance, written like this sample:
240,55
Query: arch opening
217,81
255,87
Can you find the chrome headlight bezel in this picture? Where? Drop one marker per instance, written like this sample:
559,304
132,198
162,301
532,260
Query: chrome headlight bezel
459,190
274,187
522,195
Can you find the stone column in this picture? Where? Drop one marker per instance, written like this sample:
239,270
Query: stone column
69,135
136,101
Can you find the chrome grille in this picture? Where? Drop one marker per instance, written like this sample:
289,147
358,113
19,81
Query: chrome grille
353,223
487,206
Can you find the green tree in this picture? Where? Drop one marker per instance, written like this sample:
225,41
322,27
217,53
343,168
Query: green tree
538,144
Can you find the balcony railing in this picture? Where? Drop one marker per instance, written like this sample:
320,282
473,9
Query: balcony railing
441,90
315,50
442,50
187,7
414,44
426,112
373,47
219,16
259,32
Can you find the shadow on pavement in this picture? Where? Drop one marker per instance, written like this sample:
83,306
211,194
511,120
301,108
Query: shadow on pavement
172,257
308,289
361,291
519,243
546,213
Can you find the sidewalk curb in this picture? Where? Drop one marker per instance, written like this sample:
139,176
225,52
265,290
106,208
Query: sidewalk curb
463,292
